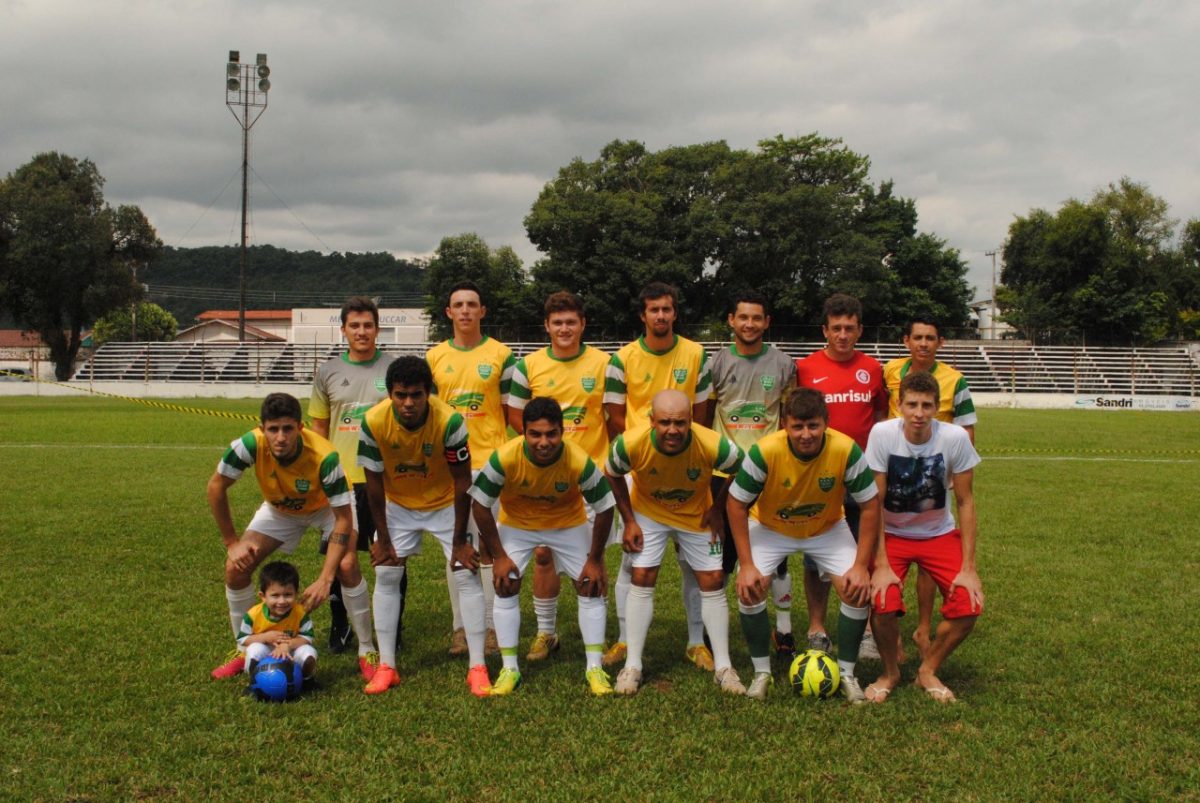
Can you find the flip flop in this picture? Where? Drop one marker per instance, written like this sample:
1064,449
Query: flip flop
940,693
877,694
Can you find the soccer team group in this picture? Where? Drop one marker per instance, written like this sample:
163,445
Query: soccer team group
742,458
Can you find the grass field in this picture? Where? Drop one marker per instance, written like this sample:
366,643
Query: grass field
1080,681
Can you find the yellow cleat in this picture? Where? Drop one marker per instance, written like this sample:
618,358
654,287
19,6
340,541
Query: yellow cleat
598,681
614,654
543,644
699,655
506,682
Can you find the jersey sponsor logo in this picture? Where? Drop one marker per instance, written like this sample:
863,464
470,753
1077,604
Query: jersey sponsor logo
561,487
693,474
302,486
412,468
766,381
352,420
746,415
288,503
800,511
574,414
848,396
680,375
472,401
460,455
588,383
862,376
484,370
825,483
677,496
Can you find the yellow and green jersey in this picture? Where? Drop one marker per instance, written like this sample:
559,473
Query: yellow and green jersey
415,463
636,372
797,496
475,383
955,405
314,480
259,620
672,489
536,497
577,384
343,390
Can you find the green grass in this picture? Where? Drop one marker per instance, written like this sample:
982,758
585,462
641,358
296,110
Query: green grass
1078,682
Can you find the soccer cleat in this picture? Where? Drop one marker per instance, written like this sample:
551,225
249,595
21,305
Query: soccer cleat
341,638
760,685
819,641
506,682
458,642
629,680
851,690
699,655
478,681
868,648
367,664
614,654
598,681
384,678
490,645
727,678
235,662
543,644
785,644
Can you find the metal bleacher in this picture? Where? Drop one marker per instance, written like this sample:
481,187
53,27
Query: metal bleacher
990,366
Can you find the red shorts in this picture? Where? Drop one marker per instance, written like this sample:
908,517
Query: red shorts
941,557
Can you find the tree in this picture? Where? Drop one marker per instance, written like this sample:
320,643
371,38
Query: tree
499,275
68,254
153,323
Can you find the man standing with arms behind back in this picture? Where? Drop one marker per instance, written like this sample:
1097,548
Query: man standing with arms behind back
852,383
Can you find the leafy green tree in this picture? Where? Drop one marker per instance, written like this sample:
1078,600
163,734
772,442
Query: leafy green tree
499,275
67,252
153,324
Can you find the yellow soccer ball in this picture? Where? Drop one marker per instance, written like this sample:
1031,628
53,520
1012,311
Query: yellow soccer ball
814,674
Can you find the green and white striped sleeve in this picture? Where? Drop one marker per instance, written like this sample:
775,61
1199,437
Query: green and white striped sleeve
369,456
595,488
618,463
964,405
729,456
238,457
487,486
455,440
704,381
506,372
333,481
859,479
614,381
751,477
306,628
519,393
245,631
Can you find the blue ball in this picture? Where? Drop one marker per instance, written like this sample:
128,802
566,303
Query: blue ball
276,679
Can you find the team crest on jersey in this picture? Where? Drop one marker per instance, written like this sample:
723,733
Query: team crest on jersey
381,384
588,383
302,486
862,376
693,474
427,448
484,370
560,487
680,375
766,381
825,483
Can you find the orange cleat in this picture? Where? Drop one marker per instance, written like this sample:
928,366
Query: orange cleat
384,678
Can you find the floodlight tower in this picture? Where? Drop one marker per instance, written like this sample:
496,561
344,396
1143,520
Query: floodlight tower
246,88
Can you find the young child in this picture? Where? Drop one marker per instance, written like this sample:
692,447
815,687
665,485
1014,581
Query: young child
278,626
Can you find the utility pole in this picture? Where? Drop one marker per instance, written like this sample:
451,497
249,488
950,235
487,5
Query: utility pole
995,307
246,98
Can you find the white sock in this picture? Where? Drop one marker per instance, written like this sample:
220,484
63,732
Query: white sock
691,602
624,581
508,628
386,602
714,607
593,613
470,596
240,600
455,603
546,610
781,594
639,611
846,668
358,608
489,595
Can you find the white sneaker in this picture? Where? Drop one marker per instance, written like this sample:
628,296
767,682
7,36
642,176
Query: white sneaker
759,686
629,680
851,690
868,648
727,678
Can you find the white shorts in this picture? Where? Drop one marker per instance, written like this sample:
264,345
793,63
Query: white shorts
570,546
698,548
833,551
256,652
406,527
288,528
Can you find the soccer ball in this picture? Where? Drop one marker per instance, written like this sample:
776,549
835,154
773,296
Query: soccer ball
814,674
276,679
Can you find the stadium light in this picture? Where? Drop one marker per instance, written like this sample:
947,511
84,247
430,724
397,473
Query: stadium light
246,88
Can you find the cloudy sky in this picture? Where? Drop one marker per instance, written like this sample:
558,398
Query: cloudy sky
393,124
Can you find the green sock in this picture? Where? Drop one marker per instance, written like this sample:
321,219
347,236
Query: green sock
850,633
756,627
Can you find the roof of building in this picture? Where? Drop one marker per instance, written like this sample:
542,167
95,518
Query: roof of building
252,332
15,338
251,315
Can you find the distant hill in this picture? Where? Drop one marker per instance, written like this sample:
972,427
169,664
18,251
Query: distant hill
188,281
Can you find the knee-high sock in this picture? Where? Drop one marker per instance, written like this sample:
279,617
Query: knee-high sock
691,601
387,610
852,623
714,607
639,611
489,595
470,596
455,603
508,628
756,627
240,600
546,611
593,612
781,594
358,608
624,581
